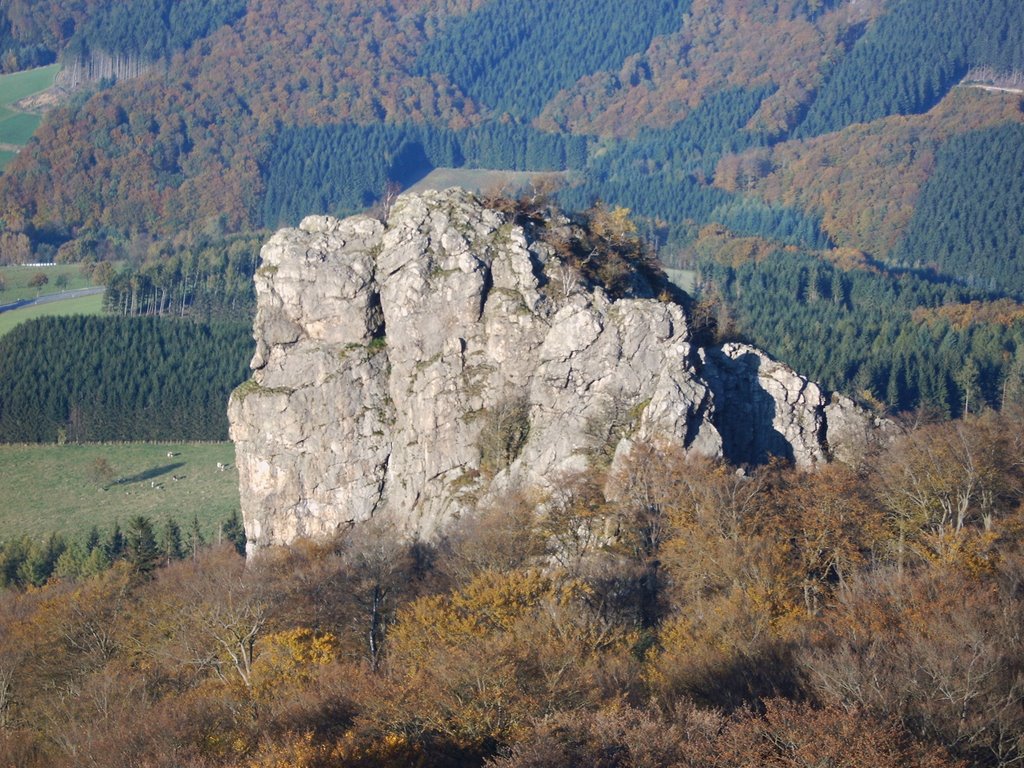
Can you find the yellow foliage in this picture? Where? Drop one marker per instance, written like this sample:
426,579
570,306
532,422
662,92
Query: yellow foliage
611,224
961,316
294,751
390,750
480,663
491,603
291,657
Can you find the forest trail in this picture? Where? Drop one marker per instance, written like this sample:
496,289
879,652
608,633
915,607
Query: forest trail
996,88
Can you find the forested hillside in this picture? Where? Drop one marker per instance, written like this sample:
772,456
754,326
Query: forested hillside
814,124
514,57
968,219
865,179
88,379
896,338
344,168
912,55
845,200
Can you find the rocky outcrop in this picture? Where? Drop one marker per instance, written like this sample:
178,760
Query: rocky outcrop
406,371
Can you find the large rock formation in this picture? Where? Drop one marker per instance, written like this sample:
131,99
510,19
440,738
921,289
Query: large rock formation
409,370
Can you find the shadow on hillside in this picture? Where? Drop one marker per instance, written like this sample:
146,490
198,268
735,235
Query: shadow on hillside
150,474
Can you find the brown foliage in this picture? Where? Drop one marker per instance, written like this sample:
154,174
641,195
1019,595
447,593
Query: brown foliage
961,316
733,43
792,735
938,651
945,486
866,178
675,602
786,735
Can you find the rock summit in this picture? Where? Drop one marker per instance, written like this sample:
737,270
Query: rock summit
408,370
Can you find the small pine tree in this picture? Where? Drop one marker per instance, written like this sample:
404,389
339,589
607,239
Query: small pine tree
114,546
12,554
141,549
234,531
69,564
92,539
170,542
195,537
95,563
41,561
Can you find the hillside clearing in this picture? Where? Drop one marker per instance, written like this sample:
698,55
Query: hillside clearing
85,305
17,85
480,179
60,488
60,277
16,125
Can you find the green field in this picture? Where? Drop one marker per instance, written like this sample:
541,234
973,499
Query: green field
61,277
18,85
683,278
479,179
86,305
48,488
18,128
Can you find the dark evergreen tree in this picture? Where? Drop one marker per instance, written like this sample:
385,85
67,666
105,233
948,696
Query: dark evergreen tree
92,539
140,545
115,544
195,538
233,531
170,541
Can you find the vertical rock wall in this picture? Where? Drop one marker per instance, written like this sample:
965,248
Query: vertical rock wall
407,370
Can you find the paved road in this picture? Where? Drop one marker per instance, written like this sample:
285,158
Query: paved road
51,297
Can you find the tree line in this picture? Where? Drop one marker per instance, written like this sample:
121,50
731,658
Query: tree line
344,168
967,220
514,57
141,546
200,277
669,612
910,57
95,379
886,337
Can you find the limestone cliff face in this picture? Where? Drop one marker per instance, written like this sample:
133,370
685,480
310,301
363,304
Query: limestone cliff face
408,370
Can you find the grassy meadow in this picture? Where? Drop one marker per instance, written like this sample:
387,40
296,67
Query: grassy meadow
17,85
62,277
84,305
70,488
17,127
478,179
683,278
